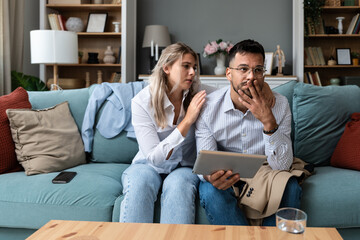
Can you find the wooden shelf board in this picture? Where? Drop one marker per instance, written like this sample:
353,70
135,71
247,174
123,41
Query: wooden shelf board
333,35
99,34
76,7
87,65
341,8
333,66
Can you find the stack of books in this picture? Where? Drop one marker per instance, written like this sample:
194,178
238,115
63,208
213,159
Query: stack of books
314,56
57,21
312,78
354,26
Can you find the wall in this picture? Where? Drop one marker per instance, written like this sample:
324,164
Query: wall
195,22
31,22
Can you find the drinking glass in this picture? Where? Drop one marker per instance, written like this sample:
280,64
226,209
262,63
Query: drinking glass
291,220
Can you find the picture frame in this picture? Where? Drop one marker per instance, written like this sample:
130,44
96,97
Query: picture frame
343,56
96,22
268,63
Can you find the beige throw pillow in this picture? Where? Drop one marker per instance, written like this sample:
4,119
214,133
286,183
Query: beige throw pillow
46,140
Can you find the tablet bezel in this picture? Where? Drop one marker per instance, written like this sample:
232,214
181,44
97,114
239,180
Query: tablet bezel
246,165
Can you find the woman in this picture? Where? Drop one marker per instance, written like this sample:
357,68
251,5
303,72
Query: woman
163,114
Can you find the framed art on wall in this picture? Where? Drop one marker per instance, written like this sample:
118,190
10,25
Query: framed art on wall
343,56
268,62
96,22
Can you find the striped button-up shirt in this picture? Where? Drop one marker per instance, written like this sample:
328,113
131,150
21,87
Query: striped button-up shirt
222,127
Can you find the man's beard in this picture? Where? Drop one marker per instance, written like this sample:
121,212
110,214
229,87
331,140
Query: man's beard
246,92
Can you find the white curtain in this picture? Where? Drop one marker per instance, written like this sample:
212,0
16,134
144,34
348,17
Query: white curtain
11,41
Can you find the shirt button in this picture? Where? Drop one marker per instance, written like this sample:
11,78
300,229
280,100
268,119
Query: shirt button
272,143
244,135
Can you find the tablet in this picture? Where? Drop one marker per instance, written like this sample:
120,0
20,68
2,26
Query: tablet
246,165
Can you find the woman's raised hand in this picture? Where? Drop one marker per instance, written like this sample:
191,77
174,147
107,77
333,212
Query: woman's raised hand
195,106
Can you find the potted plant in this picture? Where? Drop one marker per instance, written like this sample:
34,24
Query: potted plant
312,15
80,55
29,83
355,58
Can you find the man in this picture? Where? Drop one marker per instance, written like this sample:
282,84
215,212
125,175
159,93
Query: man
238,119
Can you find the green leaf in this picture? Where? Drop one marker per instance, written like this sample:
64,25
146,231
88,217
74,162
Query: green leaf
29,83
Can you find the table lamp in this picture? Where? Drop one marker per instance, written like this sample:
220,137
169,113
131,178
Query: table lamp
155,36
53,47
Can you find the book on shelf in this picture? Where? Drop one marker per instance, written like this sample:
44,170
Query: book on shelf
321,56
314,56
357,26
309,77
57,21
319,27
312,78
307,57
115,77
352,24
311,54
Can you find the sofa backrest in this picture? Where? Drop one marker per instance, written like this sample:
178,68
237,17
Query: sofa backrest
319,118
77,98
119,149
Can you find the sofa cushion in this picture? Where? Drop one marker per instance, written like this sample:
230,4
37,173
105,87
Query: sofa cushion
287,90
77,99
46,140
17,99
347,151
330,199
35,200
119,149
320,115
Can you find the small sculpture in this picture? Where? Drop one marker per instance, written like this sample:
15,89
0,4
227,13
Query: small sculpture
280,60
109,56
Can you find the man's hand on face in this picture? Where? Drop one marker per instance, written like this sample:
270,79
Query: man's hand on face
222,180
257,104
268,95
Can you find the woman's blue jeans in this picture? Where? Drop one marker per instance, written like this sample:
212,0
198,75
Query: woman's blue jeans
141,185
221,206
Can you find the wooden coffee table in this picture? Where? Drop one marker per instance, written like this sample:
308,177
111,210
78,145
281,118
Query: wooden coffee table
81,230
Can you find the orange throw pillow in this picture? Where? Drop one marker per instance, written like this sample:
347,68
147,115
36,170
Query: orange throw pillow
17,99
347,151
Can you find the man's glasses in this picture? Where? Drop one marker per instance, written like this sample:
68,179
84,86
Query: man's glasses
244,70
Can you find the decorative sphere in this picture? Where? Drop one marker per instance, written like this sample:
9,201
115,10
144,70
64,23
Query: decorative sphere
74,24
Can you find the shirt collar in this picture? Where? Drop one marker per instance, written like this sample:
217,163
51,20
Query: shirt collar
167,102
228,104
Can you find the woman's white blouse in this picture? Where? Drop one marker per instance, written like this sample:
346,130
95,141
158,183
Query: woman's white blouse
155,142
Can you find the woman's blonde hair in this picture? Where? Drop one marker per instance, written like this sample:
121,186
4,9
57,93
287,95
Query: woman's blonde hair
158,80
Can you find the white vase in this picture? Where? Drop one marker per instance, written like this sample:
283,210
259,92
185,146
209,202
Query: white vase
109,55
74,24
220,65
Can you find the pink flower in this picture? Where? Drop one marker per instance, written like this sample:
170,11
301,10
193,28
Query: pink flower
217,47
223,45
210,49
229,47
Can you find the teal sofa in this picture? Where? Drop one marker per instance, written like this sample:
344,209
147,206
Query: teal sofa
330,197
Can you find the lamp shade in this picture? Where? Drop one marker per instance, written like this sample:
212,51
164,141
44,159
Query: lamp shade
158,34
52,46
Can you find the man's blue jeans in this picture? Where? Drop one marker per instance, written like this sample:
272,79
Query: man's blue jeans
222,209
141,186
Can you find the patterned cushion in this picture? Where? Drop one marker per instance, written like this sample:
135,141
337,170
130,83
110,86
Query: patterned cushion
17,99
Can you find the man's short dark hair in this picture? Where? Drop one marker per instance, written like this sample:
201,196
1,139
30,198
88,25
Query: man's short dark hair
246,46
